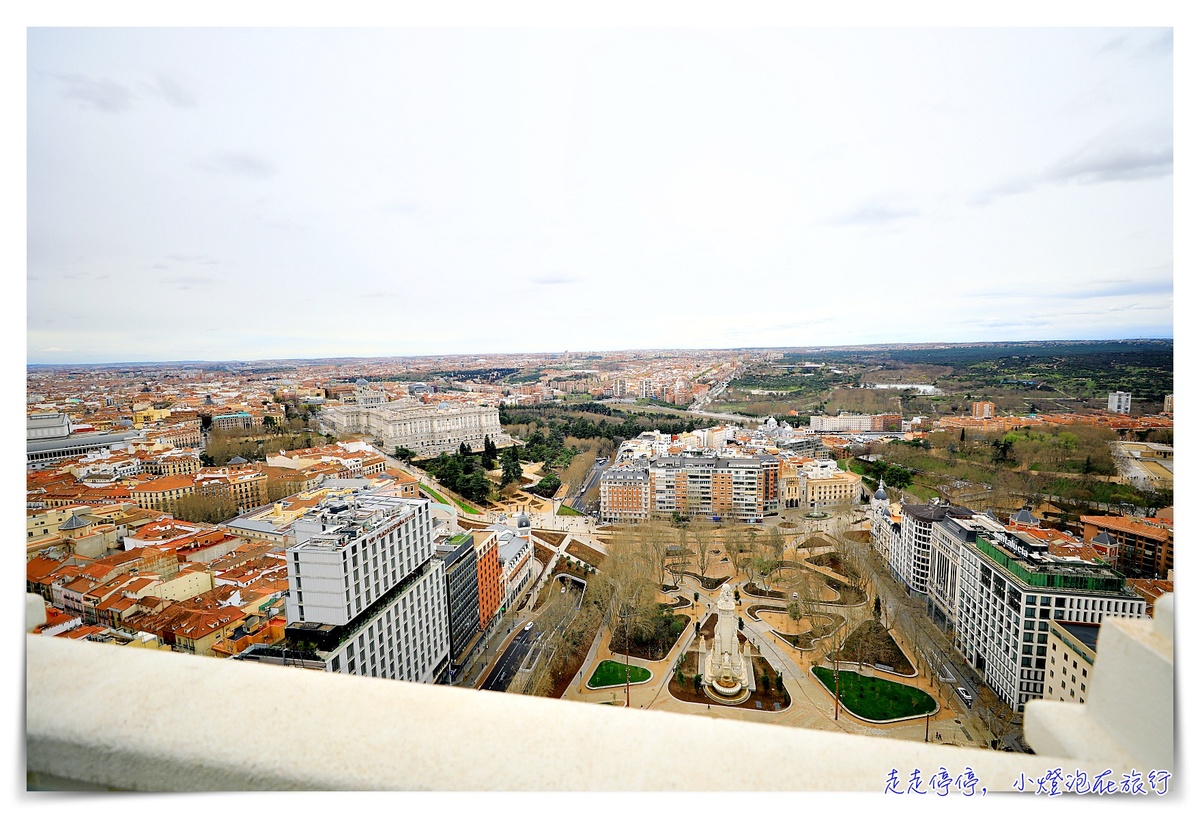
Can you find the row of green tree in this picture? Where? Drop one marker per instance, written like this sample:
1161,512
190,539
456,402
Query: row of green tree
893,474
462,473
626,425
256,444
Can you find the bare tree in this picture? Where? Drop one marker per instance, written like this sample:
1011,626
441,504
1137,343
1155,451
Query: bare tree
776,542
761,568
678,557
806,587
735,545
630,576
702,533
652,544
993,712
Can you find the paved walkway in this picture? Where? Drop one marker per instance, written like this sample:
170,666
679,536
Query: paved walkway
812,706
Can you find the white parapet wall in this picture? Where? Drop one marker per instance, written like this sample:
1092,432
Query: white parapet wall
1129,715
188,723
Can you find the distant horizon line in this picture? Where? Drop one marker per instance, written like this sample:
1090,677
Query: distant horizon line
797,348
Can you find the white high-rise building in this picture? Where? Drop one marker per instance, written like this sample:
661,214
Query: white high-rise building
1119,402
1010,588
365,594
911,553
948,537
840,423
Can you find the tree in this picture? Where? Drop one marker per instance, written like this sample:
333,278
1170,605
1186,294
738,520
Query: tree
280,487
204,508
735,545
547,486
629,576
655,541
477,487
404,454
761,568
1002,449
702,533
489,453
994,713
511,466
897,476
677,557
776,542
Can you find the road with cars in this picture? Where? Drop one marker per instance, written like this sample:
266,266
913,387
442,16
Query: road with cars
510,661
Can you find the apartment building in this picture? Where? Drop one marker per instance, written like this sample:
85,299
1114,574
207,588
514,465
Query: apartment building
705,485
246,486
911,554
948,537
1135,548
708,487
1010,589
826,485
491,581
515,555
1072,657
624,494
352,459
162,493
233,420
1120,402
806,446
365,594
171,462
885,524
458,557
844,422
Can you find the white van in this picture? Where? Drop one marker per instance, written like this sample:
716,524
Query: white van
966,696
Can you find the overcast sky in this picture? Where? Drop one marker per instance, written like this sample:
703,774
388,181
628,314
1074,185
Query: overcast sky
227,194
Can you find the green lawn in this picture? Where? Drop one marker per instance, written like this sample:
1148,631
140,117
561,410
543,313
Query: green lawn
466,508
567,511
611,673
439,498
877,699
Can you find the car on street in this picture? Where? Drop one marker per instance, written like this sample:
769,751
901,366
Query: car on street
966,696
529,625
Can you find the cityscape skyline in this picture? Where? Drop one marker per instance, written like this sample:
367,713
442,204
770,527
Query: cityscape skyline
318,193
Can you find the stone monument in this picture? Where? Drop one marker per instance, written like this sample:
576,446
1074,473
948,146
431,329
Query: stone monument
726,668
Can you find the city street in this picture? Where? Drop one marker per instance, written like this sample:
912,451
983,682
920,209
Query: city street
510,661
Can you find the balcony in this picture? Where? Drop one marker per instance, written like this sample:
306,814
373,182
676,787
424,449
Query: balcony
201,724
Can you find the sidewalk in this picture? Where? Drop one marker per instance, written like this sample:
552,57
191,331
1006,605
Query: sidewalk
811,705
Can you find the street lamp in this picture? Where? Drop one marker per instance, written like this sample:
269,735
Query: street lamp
624,611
